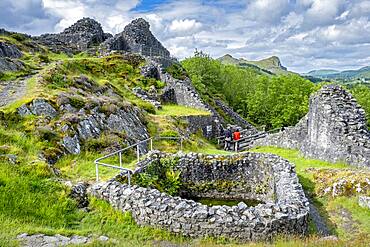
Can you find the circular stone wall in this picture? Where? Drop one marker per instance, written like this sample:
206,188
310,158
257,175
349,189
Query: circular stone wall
264,177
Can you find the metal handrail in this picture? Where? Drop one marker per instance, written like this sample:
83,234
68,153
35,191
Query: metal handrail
248,138
119,152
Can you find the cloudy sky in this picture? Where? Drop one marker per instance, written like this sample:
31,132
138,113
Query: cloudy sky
305,34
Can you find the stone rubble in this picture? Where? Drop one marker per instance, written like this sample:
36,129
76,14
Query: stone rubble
42,240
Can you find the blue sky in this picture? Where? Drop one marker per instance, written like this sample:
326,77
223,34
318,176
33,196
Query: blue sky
305,34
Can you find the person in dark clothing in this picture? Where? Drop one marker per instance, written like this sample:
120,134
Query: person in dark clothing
228,138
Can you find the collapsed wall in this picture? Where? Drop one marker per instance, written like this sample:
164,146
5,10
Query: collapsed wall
284,208
334,129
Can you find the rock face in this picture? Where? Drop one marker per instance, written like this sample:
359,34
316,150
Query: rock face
84,34
137,37
285,213
334,129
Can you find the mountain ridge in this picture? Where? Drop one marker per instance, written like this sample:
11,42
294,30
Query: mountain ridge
361,73
270,65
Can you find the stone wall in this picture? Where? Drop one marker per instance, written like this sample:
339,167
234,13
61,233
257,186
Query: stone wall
334,129
285,213
290,137
209,126
236,118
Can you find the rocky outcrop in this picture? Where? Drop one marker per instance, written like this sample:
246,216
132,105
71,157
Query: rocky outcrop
75,126
84,34
9,55
40,107
137,37
284,209
9,50
334,129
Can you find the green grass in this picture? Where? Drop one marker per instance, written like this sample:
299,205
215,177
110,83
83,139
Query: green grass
179,111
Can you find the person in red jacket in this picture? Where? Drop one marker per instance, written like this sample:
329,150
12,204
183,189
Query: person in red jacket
236,138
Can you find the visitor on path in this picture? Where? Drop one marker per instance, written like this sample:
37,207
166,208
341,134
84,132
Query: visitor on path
228,138
236,138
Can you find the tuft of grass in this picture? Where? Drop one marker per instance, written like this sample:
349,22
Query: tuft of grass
179,111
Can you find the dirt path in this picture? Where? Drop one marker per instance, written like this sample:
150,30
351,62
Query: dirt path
321,227
11,91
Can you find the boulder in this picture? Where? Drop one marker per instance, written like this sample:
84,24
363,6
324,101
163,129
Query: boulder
40,107
71,144
79,193
364,201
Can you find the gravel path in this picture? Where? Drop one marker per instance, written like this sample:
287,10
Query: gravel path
10,91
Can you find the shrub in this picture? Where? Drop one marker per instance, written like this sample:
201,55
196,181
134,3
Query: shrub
169,133
77,101
44,58
160,175
147,107
19,36
177,71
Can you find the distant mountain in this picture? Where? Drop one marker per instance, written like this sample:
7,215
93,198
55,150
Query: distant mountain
363,73
271,65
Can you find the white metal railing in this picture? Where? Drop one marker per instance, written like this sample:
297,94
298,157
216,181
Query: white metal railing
98,162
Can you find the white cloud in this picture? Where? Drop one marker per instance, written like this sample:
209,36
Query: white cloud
306,34
184,27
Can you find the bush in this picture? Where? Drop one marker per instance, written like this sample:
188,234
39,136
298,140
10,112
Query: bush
44,58
177,71
169,133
